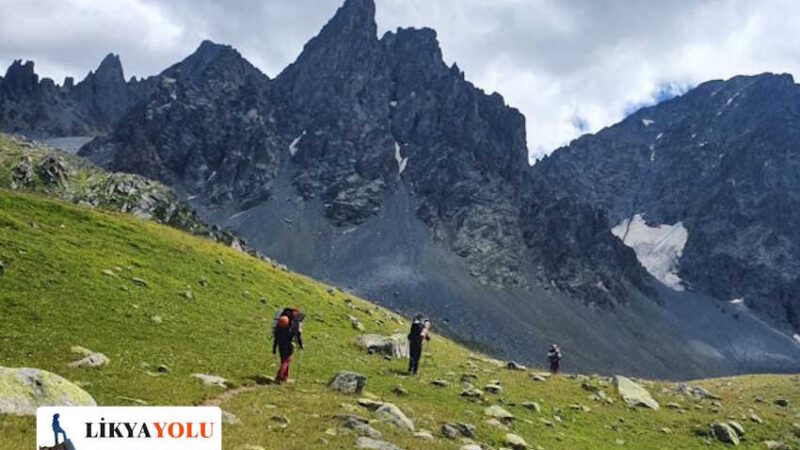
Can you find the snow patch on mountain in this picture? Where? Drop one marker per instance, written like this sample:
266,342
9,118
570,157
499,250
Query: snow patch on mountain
401,162
648,122
293,146
657,248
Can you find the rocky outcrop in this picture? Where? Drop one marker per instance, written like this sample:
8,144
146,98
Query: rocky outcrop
22,390
39,168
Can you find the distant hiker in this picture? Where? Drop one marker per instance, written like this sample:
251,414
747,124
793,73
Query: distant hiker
554,355
420,331
287,328
57,428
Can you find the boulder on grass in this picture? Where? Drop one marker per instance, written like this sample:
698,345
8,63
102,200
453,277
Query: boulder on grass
634,394
394,346
22,390
348,382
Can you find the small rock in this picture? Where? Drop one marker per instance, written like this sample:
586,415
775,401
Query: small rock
348,382
513,365
162,369
755,418
390,413
212,380
156,319
230,419
361,428
468,378
701,392
280,419
673,405
515,442
724,433
109,272
493,388
139,282
471,392
94,359
666,430
399,390
371,405
782,402
188,295
498,413
449,431
532,406
494,423
424,435
737,427
374,444
776,445
440,383
471,447
538,377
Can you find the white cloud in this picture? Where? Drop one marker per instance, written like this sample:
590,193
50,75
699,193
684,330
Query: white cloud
568,66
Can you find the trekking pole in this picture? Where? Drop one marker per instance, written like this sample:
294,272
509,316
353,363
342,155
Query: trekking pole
299,366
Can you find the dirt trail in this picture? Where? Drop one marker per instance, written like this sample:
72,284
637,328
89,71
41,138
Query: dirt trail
229,394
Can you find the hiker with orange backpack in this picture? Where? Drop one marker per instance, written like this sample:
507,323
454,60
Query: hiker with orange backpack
286,330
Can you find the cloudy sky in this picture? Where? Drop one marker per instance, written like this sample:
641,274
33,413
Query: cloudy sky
571,66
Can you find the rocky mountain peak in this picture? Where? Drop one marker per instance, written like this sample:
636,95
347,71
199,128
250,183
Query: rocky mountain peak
21,77
419,46
354,18
350,34
215,62
110,70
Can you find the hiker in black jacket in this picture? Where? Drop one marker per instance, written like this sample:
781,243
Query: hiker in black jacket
554,356
285,331
420,331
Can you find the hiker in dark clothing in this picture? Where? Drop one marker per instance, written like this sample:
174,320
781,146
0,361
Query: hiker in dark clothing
420,331
57,428
286,330
554,355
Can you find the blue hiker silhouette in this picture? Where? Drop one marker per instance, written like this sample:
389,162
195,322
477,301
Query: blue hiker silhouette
57,428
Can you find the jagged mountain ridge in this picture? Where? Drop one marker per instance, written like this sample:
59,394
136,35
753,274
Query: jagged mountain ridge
40,108
722,159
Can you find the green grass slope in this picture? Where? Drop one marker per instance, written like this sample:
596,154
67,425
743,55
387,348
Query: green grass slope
68,281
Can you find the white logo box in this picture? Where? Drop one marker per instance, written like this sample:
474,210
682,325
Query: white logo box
127,427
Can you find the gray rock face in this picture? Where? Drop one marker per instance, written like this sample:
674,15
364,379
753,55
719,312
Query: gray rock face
723,160
22,390
348,382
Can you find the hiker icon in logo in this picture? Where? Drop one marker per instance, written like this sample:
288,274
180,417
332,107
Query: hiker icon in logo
57,430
